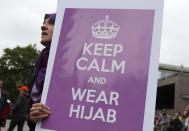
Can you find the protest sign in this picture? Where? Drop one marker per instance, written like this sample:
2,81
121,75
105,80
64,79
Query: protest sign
102,70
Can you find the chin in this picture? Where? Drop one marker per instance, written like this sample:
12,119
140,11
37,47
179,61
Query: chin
43,40
45,43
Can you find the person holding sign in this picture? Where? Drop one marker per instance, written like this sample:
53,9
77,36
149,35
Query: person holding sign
38,110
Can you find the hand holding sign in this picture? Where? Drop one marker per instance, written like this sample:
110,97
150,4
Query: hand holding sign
38,112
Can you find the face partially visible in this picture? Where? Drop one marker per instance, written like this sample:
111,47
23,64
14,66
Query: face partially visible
47,31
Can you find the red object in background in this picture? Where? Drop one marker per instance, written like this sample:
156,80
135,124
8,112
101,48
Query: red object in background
6,111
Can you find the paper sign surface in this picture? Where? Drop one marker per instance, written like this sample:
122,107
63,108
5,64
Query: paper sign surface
100,75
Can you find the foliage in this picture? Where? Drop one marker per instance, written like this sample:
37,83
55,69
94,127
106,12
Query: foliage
16,68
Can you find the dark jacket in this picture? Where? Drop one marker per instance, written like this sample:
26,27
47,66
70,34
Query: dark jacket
3,101
40,71
21,108
3,104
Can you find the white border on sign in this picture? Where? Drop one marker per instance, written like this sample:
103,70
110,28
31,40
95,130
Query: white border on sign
156,5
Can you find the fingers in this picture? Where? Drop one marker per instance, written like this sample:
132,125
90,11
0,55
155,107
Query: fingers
35,117
41,105
39,111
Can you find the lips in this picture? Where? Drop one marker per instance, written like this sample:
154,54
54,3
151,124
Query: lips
44,33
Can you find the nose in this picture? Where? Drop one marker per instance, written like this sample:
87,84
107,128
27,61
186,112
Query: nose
43,27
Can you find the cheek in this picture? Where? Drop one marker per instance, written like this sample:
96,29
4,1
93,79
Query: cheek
51,31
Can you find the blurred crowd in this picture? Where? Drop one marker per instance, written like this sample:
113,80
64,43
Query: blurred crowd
176,122
18,111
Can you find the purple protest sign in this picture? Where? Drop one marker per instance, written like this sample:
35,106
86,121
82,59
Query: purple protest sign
100,73
102,67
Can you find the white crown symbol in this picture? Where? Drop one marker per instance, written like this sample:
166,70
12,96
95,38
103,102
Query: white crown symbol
105,29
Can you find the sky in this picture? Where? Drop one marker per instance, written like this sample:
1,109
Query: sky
175,34
21,21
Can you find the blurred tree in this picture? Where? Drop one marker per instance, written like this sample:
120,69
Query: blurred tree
16,68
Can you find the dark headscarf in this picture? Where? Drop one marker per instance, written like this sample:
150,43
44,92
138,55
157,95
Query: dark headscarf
51,16
40,67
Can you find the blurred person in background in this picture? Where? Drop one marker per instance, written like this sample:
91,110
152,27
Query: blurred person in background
165,120
20,111
186,118
4,106
175,123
